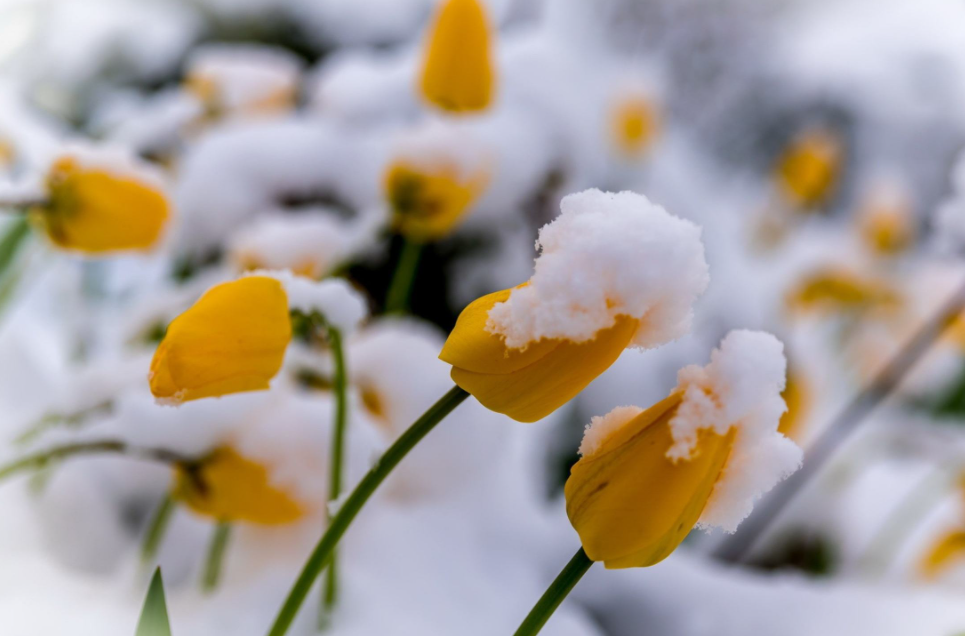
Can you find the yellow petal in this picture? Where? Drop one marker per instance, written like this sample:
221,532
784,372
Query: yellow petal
631,505
634,124
229,487
835,290
797,396
948,549
233,339
809,170
427,205
94,211
527,384
457,74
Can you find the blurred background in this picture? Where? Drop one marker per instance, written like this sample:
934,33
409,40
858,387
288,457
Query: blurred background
815,143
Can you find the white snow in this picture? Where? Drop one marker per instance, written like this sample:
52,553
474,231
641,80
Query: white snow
341,305
602,426
607,255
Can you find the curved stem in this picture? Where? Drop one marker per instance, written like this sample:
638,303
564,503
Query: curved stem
350,508
215,558
39,460
340,387
156,530
397,299
555,594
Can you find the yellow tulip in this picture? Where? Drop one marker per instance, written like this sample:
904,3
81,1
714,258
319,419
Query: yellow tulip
527,384
797,395
887,226
948,549
232,339
428,204
808,172
630,503
92,210
457,74
634,124
834,290
229,487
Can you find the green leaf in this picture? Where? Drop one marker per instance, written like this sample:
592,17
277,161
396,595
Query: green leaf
154,616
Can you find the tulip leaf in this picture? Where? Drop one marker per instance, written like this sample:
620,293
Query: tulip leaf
154,616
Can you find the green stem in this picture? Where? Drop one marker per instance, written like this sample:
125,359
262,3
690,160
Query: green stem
12,241
555,594
904,518
41,459
156,530
397,300
340,386
351,506
215,558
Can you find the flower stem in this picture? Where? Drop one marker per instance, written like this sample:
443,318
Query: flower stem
350,508
215,558
339,385
156,530
39,460
555,594
397,300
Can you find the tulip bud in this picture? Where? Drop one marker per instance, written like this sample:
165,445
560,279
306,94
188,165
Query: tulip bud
95,209
699,457
229,487
457,74
833,290
808,172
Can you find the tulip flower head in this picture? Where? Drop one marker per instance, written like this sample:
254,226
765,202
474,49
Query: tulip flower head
99,202
457,72
838,290
227,486
634,123
886,221
614,271
700,457
810,168
432,183
234,338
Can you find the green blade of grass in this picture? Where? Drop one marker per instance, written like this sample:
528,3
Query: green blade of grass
154,616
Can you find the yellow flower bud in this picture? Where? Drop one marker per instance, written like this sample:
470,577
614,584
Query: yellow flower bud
634,124
428,204
229,487
457,74
630,503
527,384
93,210
797,395
948,549
836,290
232,339
808,172
886,223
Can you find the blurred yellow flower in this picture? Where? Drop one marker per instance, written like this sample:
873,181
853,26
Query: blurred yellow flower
832,290
634,124
630,503
428,203
457,73
233,339
229,487
809,169
887,225
8,153
92,210
530,383
948,549
797,396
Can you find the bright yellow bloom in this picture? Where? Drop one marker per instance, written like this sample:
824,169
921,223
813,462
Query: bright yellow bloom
527,384
229,487
808,172
630,504
833,290
232,339
945,552
458,74
92,210
428,204
634,124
